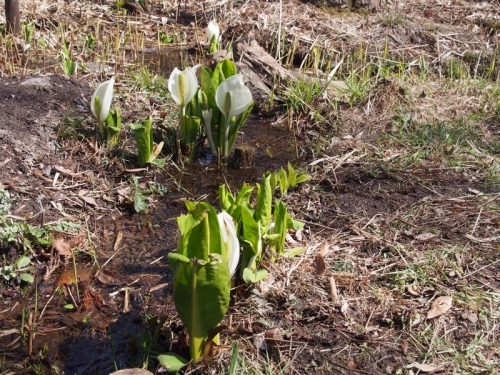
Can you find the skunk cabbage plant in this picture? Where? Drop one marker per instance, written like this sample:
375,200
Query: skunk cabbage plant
213,35
207,253
183,86
147,150
233,99
108,122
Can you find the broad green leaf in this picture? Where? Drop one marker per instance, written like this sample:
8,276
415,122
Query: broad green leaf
144,139
250,276
23,262
293,224
280,226
283,179
192,129
292,175
160,163
201,294
190,206
264,201
251,231
228,68
26,277
301,178
226,199
244,194
175,257
200,233
223,70
172,362
113,126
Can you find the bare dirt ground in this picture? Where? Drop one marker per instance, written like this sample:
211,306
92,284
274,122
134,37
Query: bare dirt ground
397,215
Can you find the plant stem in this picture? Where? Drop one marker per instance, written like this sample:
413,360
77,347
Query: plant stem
181,133
208,127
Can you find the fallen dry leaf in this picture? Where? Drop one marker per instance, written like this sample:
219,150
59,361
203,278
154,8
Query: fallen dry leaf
413,290
132,371
439,306
273,334
67,277
106,277
351,365
425,236
319,264
61,247
319,261
425,368
89,200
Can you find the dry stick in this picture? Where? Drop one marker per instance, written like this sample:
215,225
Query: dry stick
479,269
47,304
118,240
477,221
333,289
278,49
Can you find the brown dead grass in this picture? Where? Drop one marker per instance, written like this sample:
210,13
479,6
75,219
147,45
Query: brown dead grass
398,237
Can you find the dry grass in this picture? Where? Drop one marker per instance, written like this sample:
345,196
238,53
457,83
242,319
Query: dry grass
404,203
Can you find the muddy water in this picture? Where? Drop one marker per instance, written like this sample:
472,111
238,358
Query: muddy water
113,330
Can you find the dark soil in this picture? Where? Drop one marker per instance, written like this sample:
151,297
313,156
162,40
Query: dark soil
397,237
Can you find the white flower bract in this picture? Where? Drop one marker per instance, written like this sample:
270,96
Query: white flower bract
230,239
183,85
105,94
213,30
240,95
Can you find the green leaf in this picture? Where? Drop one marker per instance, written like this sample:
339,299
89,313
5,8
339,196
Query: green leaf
201,294
160,163
23,262
175,257
69,306
26,277
139,201
294,252
253,277
226,199
172,362
283,179
113,126
228,68
144,139
192,129
280,226
223,70
293,224
200,233
264,202
251,231
244,194
301,178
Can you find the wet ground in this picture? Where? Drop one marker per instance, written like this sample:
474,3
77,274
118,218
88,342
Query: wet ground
102,333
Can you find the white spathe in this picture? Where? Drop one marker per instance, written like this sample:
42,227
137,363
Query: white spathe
230,238
213,30
105,94
240,96
183,85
